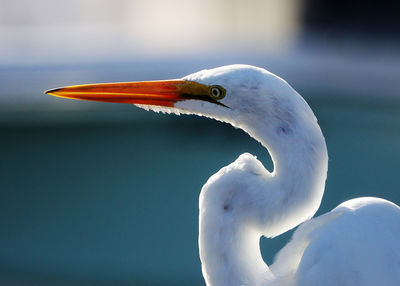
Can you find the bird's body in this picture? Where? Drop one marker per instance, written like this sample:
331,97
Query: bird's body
357,243
354,244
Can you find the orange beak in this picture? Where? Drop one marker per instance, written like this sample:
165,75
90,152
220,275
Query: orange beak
161,93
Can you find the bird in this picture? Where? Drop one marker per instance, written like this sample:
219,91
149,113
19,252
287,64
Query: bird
356,243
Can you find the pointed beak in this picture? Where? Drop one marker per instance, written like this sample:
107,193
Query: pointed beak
160,93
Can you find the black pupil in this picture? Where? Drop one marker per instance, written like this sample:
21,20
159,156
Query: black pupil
216,91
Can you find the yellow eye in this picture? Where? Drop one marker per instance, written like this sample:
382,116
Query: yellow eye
217,92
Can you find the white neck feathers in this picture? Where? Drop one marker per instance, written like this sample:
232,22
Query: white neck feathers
244,201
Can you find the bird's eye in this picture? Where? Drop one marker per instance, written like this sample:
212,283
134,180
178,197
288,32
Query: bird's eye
217,92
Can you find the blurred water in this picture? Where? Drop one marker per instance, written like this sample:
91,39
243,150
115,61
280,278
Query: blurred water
116,202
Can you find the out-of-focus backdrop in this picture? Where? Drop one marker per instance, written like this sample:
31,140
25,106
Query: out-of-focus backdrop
107,194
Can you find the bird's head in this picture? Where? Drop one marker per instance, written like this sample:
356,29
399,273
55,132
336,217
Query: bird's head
238,94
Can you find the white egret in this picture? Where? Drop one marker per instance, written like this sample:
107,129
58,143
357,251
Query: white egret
357,243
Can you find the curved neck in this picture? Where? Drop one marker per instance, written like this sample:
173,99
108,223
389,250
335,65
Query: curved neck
244,201
297,184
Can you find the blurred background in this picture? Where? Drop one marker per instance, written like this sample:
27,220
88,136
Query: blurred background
107,194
